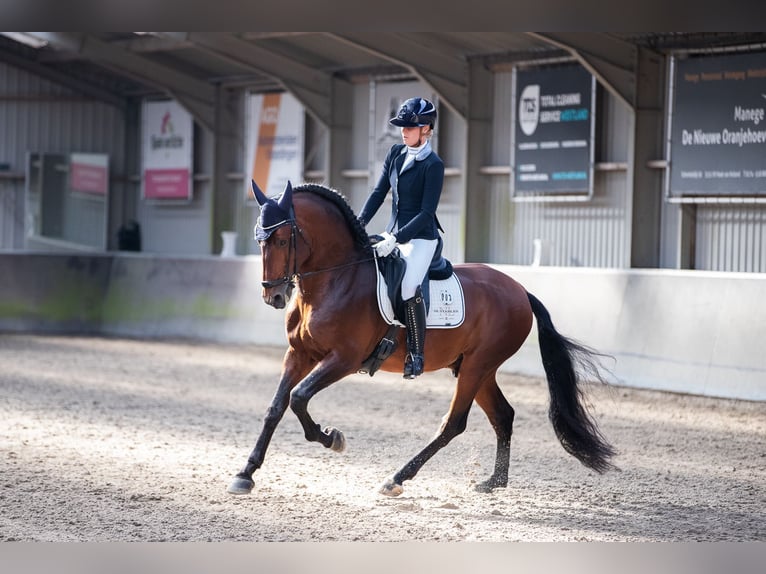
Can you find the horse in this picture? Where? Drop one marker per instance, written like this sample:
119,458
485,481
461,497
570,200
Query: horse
312,243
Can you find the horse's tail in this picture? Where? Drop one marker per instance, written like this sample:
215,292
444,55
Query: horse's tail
562,358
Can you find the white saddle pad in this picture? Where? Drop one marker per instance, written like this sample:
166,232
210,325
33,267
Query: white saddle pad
446,306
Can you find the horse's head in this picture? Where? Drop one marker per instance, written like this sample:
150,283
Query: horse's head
275,232
305,235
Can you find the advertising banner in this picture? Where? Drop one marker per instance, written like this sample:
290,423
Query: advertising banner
552,151
717,144
89,173
274,142
167,150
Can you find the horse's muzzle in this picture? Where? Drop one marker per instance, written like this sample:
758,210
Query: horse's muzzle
278,296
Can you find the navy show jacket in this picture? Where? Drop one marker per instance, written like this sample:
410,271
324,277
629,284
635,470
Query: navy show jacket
415,195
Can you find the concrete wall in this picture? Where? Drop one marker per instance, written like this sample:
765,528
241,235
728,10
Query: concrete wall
137,295
685,331
52,293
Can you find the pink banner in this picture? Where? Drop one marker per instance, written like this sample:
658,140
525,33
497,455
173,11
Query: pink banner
88,178
166,184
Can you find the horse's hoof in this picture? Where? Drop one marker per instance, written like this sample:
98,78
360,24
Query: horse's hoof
391,488
489,486
338,439
240,485
485,487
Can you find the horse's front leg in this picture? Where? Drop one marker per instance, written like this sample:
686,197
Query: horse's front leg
329,370
293,370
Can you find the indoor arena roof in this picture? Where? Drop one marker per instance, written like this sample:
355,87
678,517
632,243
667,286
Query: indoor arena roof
192,66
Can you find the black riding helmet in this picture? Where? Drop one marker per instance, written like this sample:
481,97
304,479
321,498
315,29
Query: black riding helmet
414,113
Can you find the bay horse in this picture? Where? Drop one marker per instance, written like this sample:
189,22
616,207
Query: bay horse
312,242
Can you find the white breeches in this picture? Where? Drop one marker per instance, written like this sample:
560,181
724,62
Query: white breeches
418,253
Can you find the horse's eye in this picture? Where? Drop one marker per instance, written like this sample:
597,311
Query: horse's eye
282,242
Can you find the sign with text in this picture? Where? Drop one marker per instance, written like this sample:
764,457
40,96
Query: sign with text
552,148
717,144
275,141
89,173
167,150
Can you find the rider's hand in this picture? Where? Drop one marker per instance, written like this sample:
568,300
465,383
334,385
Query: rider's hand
386,245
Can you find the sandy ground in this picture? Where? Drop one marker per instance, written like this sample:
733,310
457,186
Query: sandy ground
123,440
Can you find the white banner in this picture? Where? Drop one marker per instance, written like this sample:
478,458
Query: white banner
274,142
167,150
388,98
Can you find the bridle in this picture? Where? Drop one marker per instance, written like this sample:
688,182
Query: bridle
290,277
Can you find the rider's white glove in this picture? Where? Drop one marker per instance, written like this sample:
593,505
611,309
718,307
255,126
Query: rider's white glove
386,245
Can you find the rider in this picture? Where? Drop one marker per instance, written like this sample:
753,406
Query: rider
415,174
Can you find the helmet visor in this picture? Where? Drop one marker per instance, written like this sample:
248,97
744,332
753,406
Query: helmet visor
407,118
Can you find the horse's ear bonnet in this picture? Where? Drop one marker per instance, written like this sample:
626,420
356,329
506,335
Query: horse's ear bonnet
274,212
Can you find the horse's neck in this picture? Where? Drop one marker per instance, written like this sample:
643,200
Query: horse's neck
334,253
349,272
332,250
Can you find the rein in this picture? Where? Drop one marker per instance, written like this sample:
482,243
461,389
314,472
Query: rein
333,268
295,275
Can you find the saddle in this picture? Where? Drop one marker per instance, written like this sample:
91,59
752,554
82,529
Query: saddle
391,270
393,266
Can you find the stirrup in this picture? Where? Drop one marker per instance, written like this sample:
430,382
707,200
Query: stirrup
413,366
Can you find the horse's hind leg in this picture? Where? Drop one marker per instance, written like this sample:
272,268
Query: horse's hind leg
453,424
500,414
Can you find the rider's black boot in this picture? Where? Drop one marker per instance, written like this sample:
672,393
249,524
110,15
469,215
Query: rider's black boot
415,315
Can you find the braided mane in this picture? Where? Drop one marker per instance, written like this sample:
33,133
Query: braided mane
339,200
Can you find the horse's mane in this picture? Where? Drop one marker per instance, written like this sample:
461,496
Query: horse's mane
339,200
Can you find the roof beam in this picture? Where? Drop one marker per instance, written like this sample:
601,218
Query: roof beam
614,62
151,43
139,45
64,79
447,75
309,85
196,95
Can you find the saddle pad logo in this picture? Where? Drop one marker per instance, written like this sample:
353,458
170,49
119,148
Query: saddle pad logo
446,308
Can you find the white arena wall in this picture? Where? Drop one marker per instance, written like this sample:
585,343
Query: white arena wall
695,332
684,331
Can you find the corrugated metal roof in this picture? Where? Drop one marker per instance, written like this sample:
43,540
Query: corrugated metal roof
246,58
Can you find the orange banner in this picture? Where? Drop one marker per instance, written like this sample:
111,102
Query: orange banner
267,131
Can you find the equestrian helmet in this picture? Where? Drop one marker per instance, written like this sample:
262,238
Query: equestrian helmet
415,112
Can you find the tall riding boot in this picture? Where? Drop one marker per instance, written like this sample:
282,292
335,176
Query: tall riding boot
415,315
